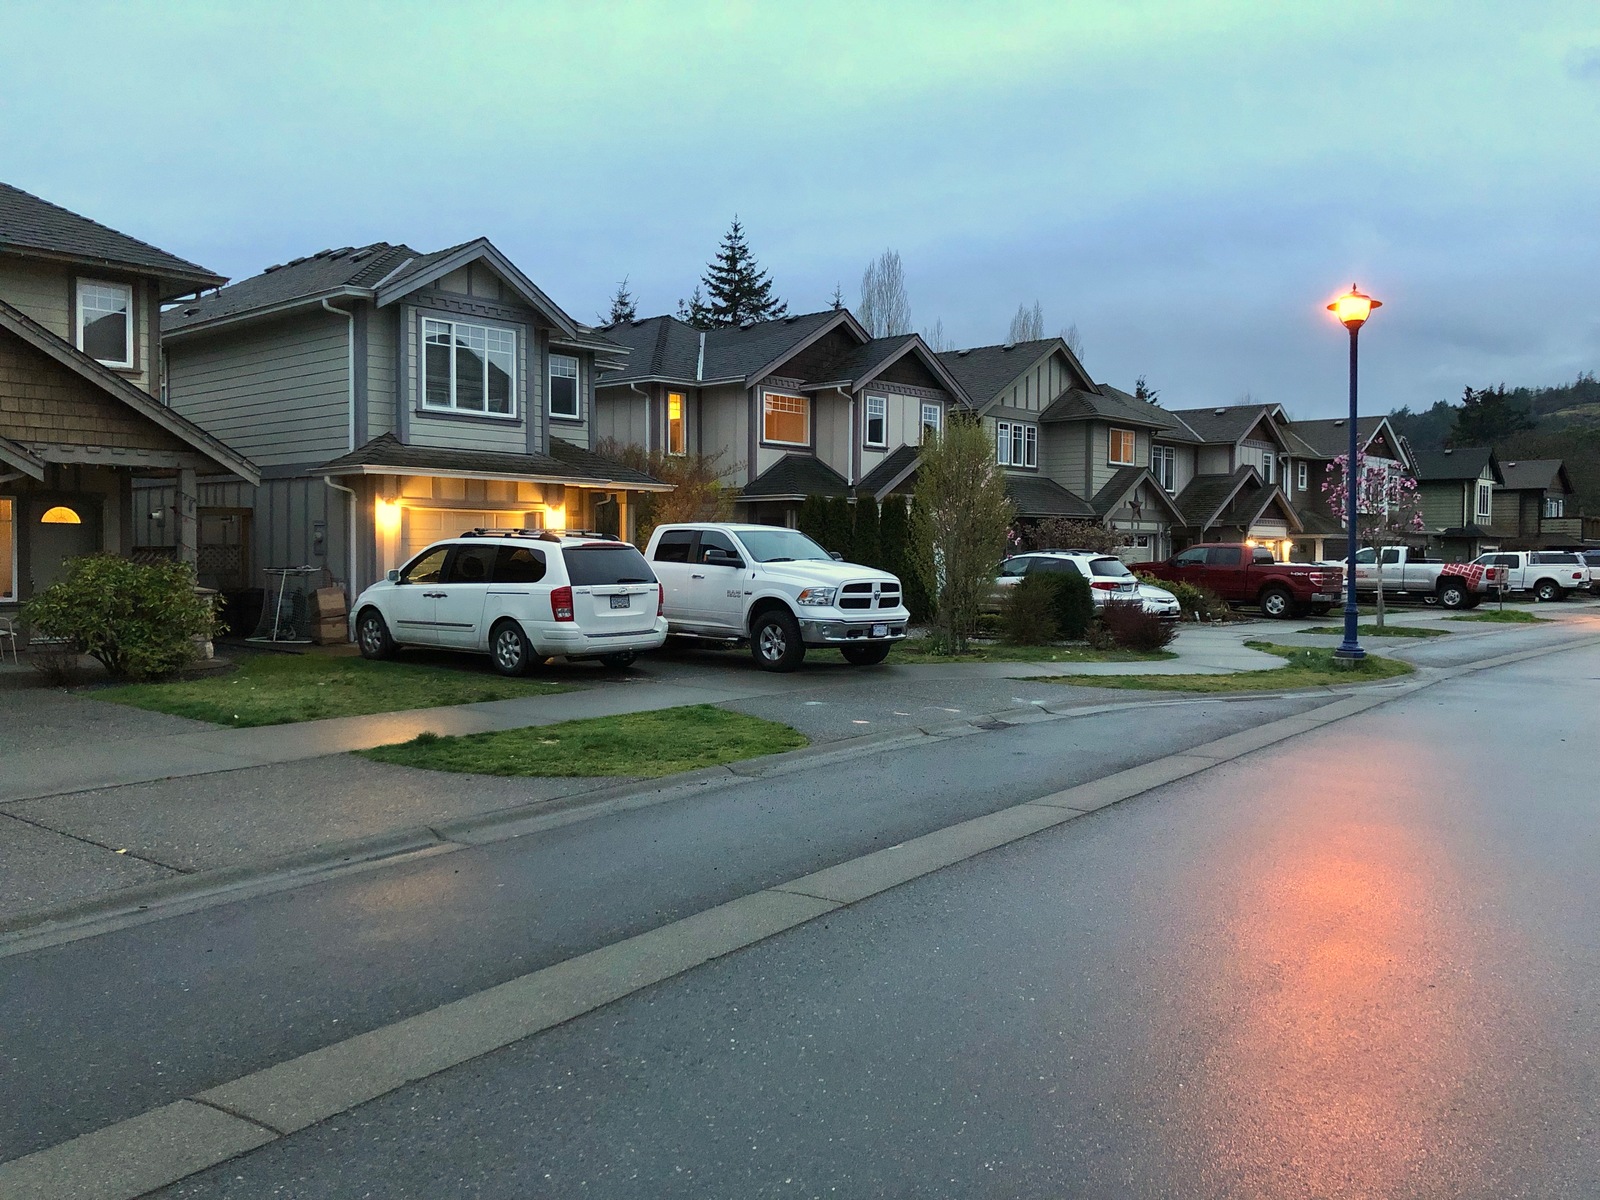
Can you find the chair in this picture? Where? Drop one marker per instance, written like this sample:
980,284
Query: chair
8,631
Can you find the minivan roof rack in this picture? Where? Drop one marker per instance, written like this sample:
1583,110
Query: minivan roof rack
543,535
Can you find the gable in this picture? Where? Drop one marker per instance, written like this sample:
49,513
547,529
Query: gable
912,371
1264,430
477,279
814,361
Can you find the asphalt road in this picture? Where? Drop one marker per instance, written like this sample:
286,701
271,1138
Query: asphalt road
1362,963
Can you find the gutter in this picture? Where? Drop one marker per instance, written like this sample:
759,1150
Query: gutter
255,314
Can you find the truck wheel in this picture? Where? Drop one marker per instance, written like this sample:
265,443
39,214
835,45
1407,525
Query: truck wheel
866,656
510,652
775,641
372,635
1548,590
1453,594
1276,602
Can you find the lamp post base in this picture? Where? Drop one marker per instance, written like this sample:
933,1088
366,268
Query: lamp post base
1348,655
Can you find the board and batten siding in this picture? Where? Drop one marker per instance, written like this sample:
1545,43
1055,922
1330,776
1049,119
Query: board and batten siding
620,415
1101,468
1035,388
903,425
277,393
1062,455
830,433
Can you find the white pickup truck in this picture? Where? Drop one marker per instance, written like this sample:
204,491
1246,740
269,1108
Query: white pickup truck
776,589
1407,573
1548,574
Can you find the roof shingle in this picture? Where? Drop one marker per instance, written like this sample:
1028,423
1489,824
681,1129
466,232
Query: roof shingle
796,476
565,463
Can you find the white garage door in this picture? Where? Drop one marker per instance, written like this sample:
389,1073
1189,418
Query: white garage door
424,526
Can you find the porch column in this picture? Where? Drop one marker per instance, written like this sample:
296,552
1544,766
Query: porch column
187,503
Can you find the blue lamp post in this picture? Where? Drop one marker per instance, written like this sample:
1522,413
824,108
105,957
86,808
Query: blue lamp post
1353,308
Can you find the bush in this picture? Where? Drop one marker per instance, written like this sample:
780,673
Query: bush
140,620
1074,604
1131,628
1063,533
1028,612
1198,603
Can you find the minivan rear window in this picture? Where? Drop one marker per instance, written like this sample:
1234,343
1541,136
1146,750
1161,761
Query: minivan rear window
590,565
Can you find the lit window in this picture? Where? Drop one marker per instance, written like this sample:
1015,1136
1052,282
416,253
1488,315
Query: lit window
8,551
930,419
786,420
105,322
564,387
468,368
1121,448
675,440
60,515
1164,466
877,421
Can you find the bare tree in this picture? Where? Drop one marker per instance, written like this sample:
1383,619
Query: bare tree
884,310
938,341
1073,339
1027,325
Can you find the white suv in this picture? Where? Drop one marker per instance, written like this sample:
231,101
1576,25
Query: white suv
520,596
1108,576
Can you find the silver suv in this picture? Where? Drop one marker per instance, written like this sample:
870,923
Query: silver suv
1108,576
520,596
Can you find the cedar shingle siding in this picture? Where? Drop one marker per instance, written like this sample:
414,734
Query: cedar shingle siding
40,401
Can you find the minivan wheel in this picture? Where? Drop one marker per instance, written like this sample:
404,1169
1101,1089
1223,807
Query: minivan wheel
622,658
1548,590
1276,603
372,635
509,649
775,641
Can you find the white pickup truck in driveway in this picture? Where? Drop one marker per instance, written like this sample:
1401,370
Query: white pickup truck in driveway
1407,573
776,589
1548,574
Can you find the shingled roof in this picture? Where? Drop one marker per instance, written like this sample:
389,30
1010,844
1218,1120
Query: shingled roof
326,272
665,348
794,477
1463,462
32,226
565,463
892,471
1112,404
1536,474
983,371
1207,495
1037,496
1225,424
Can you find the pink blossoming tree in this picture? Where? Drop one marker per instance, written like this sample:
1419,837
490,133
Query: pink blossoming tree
1387,506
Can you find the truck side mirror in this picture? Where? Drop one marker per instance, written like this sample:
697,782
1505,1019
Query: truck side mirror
835,555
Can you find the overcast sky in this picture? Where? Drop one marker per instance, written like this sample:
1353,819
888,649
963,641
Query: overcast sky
1188,183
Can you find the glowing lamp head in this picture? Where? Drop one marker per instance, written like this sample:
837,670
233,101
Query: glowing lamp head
1353,308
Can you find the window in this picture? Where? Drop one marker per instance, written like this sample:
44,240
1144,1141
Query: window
930,419
674,546
1268,460
105,322
1015,568
1485,501
1164,466
589,565
712,539
471,564
427,568
8,550
1191,558
877,432
1555,506
1016,444
1121,449
468,368
675,439
786,419
1301,478
781,545
518,564
564,387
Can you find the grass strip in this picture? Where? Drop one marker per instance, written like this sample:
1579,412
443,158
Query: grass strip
921,650
1305,668
280,689
1507,616
645,745
1406,631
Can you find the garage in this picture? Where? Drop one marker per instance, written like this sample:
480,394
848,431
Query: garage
421,527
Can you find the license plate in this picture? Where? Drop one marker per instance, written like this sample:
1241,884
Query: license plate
880,631
1321,596
621,601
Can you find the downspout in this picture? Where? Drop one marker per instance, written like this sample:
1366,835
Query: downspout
646,395
853,448
350,506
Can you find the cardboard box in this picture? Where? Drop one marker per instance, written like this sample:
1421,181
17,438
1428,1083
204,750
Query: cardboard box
331,632
328,602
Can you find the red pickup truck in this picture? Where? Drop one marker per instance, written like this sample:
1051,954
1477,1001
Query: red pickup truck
1245,574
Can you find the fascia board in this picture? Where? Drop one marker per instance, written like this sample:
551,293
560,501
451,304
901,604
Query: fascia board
473,251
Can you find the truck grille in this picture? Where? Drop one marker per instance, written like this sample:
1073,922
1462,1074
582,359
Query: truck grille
860,595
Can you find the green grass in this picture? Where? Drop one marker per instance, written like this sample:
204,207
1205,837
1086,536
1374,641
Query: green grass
279,689
1305,668
1406,631
921,650
646,744
1509,616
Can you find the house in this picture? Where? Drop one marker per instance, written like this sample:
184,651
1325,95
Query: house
1234,460
806,405
80,414
1313,446
1456,488
1534,508
392,397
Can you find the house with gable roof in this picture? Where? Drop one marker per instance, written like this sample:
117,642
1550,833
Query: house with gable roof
1313,446
81,417
393,397
1535,507
1456,487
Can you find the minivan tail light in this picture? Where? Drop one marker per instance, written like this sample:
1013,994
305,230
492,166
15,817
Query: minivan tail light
661,599
561,603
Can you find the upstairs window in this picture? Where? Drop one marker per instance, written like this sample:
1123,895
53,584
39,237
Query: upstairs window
1555,506
1121,449
1485,501
564,387
877,431
105,322
785,420
468,368
930,419
1164,466
1301,475
675,438
1016,444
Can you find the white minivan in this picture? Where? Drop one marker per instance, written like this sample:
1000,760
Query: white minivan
520,596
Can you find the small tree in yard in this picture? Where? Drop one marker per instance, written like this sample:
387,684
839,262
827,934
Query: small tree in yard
1387,507
813,518
697,491
958,527
864,546
894,540
1062,533
140,620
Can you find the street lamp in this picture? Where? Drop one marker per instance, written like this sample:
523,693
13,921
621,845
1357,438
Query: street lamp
1353,308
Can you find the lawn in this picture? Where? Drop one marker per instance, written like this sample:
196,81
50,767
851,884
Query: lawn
645,744
1507,616
278,689
1305,668
1410,631
920,650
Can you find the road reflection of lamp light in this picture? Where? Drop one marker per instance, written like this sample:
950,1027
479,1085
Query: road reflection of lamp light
386,514
1352,310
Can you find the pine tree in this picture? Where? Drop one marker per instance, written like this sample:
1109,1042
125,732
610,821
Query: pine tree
740,291
864,546
1143,391
840,527
813,518
695,312
837,300
623,306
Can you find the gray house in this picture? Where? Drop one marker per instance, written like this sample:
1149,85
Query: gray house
391,397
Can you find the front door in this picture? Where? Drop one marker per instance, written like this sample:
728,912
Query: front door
59,532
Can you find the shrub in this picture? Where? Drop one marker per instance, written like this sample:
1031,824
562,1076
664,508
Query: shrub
1199,603
1028,612
864,545
698,493
1063,533
1132,628
140,620
1074,604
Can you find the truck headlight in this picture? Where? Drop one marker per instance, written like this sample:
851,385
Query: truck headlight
818,596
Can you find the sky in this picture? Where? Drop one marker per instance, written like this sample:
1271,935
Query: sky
1187,183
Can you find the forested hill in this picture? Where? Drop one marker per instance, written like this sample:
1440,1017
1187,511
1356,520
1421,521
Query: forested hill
1548,422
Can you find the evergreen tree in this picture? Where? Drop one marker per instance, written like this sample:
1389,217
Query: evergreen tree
839,527
864,547
813,519
740,291
1143,391
623,307
837,302
695,312
1488,416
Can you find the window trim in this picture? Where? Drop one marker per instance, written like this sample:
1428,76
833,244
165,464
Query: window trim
682,439
882,440
1485,501
804,400
923,423
427,408
81,282
1168,455
1302,477
577,386
1111,440
1555,508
